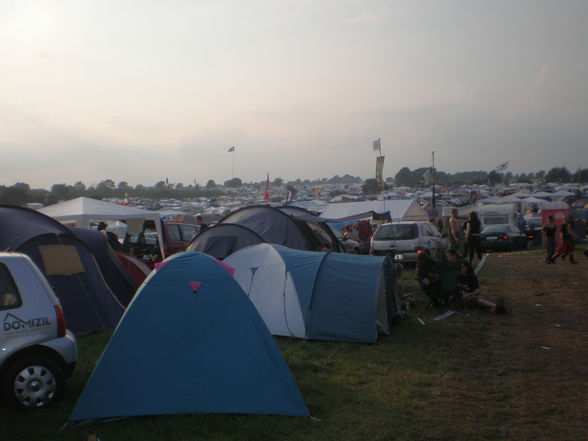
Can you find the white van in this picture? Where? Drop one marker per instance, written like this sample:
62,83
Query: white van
38,353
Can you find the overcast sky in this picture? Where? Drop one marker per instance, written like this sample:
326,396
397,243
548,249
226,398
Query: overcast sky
141,90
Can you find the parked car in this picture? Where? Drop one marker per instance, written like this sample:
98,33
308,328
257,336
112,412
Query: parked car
38,353
351,246
533,230
145,245
406,240
502,237
177,236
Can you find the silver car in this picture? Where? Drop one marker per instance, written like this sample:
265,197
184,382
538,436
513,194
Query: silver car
38,353
406,240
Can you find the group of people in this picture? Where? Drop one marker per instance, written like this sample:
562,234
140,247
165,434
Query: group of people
451,280
565,246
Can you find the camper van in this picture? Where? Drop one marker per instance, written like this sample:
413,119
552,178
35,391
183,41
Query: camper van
497,214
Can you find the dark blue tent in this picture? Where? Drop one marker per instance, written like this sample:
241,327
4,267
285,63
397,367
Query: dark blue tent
220,240
67,262
190,342
292,227
114,274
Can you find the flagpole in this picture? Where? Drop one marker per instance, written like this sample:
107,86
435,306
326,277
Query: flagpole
433,178
233,170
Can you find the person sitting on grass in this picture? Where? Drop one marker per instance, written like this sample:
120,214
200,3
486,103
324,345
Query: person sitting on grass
469,289
428,274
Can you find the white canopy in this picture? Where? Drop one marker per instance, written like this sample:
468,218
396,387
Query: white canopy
400,209
81,211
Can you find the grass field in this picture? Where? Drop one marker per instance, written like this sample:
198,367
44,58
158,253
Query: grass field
474,376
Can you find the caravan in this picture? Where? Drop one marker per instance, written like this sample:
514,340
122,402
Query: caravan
497,214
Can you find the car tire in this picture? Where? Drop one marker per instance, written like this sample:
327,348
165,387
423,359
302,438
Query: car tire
33,382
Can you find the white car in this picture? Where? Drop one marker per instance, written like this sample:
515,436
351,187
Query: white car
37,353
406,240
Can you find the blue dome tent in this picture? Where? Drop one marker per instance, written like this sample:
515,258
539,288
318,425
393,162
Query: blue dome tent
190,318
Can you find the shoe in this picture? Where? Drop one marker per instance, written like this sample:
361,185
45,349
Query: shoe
500,306
572,260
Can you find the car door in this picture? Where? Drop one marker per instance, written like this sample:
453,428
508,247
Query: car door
434,239
174,238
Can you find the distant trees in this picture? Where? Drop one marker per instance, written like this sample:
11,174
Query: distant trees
558,174
494,177
21,193
405,178
18,194
580,176
233,183
370,186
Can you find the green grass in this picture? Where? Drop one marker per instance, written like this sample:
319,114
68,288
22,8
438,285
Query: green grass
398,389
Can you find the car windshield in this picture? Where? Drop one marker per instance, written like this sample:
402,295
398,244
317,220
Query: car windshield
535,222
498,229
397,232
338,234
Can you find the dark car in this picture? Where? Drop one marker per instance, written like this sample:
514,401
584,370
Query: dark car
502,237
145,245
533,230
177,236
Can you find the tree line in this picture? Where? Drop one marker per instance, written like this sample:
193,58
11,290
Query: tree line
21,193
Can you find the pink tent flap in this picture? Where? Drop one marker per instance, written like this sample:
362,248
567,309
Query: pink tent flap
194,285
231,270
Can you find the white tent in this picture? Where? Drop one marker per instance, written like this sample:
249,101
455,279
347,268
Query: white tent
81,211
318,296
399,209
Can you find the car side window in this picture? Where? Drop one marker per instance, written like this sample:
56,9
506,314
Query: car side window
173,232
9,295
426,231
434,231
188,232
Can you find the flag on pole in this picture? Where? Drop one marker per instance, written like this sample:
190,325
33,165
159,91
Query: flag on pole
377,145
231,149
502,166
426,178
291,193
266,195
379,171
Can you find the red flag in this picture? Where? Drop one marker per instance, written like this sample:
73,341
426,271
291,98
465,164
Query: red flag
266,196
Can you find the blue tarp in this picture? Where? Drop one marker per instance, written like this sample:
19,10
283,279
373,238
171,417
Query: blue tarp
190,342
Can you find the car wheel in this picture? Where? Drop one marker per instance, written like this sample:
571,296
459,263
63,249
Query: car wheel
33,382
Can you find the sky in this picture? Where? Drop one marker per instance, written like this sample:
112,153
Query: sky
144,90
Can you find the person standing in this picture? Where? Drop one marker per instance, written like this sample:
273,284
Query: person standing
549,231
566,243
200,223
454,229
472,236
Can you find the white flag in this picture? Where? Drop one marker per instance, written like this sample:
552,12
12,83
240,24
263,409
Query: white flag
377,145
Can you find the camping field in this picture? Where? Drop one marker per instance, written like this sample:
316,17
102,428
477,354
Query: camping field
473,376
